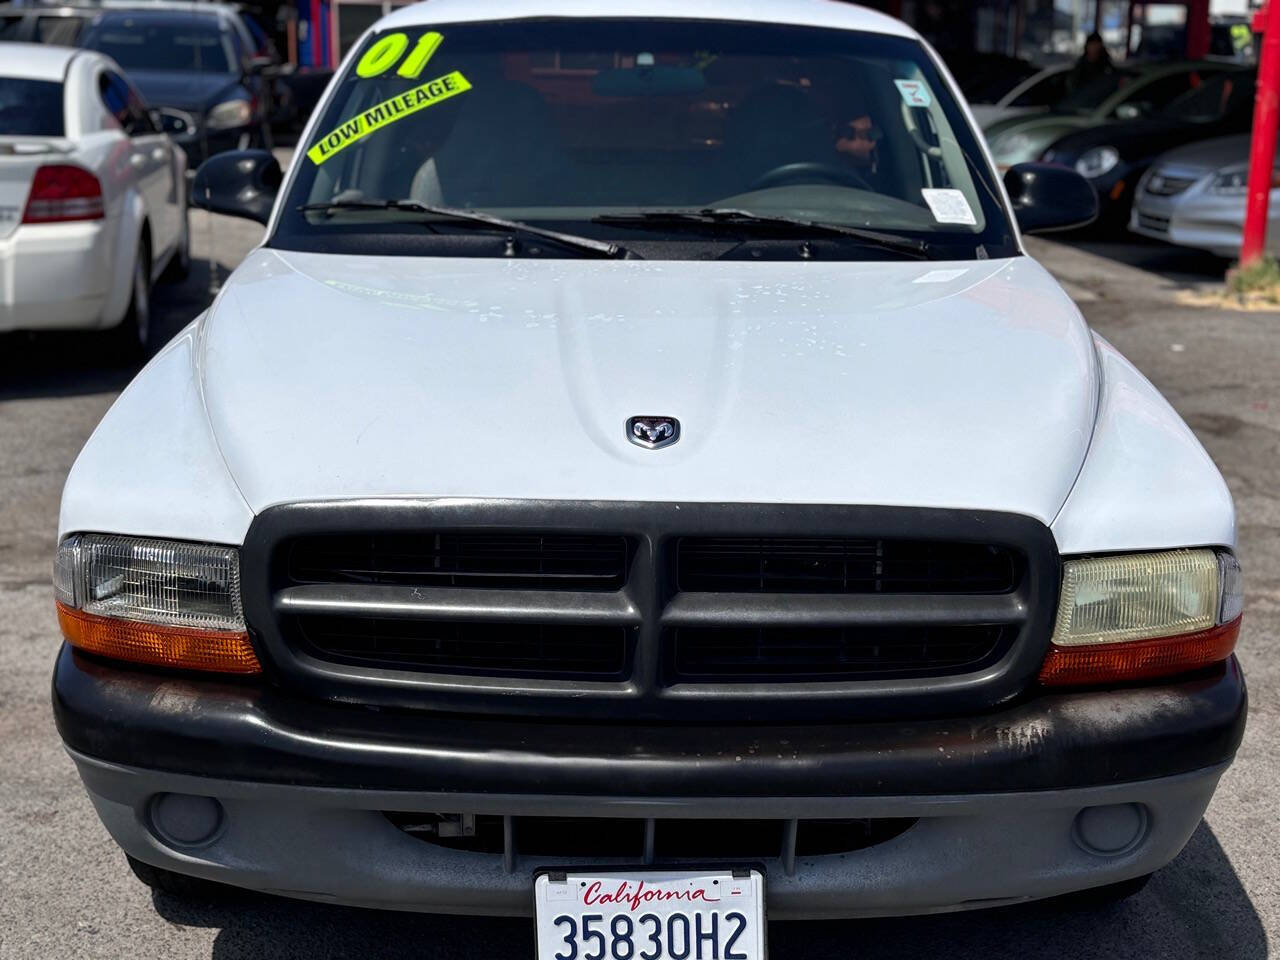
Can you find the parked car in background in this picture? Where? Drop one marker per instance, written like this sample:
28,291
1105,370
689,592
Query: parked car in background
92,196
1113,156
59,25
195,62
1127,93
1033,94
1195,197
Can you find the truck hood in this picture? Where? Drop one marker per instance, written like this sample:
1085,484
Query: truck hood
966,385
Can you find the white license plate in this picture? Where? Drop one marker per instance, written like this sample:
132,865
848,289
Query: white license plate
650,915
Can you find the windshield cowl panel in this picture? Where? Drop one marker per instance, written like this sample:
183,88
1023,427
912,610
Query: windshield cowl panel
590,127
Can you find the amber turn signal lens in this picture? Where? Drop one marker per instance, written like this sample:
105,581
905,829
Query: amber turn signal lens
1138,660
182,648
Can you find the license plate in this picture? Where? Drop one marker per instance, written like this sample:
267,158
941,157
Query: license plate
650,915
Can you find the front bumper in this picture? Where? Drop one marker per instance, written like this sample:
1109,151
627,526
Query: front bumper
1197,219
303,787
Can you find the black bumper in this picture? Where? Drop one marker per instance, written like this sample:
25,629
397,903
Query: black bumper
244,732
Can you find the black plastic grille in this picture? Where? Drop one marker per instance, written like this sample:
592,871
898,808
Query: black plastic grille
831,653
651,612
674,840
1150,222
503,649
499,560
842,565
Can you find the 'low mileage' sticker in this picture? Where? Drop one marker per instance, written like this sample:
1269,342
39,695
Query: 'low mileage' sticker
387,112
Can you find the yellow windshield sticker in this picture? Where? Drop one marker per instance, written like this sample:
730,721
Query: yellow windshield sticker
426,48
383,55
387,112
387,51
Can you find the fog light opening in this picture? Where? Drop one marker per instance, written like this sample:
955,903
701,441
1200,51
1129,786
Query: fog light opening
1111,830
186,820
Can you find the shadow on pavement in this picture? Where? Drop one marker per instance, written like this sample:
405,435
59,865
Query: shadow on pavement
1178,264
77,363
1195,907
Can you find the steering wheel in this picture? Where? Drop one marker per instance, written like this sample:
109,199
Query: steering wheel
808,170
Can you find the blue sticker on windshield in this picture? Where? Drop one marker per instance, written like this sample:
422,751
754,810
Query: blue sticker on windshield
914,93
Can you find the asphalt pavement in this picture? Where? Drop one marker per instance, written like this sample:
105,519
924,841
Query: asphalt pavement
65,890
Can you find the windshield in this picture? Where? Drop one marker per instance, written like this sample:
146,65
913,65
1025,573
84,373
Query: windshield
565,122
1217,97
1089,96
30,108
137,45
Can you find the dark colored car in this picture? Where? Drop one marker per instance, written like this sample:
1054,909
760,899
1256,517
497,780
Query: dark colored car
62,25
1114,156
198,67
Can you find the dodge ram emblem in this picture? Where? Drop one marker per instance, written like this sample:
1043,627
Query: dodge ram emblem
653,432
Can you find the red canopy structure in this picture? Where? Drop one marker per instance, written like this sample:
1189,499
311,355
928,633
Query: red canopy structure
1262,152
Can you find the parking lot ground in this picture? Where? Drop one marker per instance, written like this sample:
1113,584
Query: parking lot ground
66,892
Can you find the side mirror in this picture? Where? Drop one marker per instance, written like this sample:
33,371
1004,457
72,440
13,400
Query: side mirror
239,183
1047,198
261,64
176,123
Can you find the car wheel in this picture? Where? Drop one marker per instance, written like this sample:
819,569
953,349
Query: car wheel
180,263
179,885
133,335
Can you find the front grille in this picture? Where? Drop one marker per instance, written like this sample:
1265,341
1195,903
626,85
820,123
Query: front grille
788,653
1163,185
1149,222
842,565
506,559
502,649
700,613
661,841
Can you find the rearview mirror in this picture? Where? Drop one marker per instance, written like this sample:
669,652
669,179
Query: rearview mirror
649,81
239,183
1047,197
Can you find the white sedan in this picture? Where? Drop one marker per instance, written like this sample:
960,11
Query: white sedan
92,196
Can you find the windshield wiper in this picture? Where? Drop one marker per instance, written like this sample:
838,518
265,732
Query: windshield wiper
745,218
601,247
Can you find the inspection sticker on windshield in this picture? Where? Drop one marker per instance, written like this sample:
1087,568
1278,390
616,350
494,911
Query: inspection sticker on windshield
949,206
914,93
387,112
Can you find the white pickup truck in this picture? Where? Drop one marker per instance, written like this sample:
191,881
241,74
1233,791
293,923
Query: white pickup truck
639,479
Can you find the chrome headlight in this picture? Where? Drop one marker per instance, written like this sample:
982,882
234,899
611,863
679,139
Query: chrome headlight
229,114
1097,162
1144,615
1235,183
160,602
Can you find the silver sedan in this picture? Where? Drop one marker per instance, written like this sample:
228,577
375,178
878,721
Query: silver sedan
1195,197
